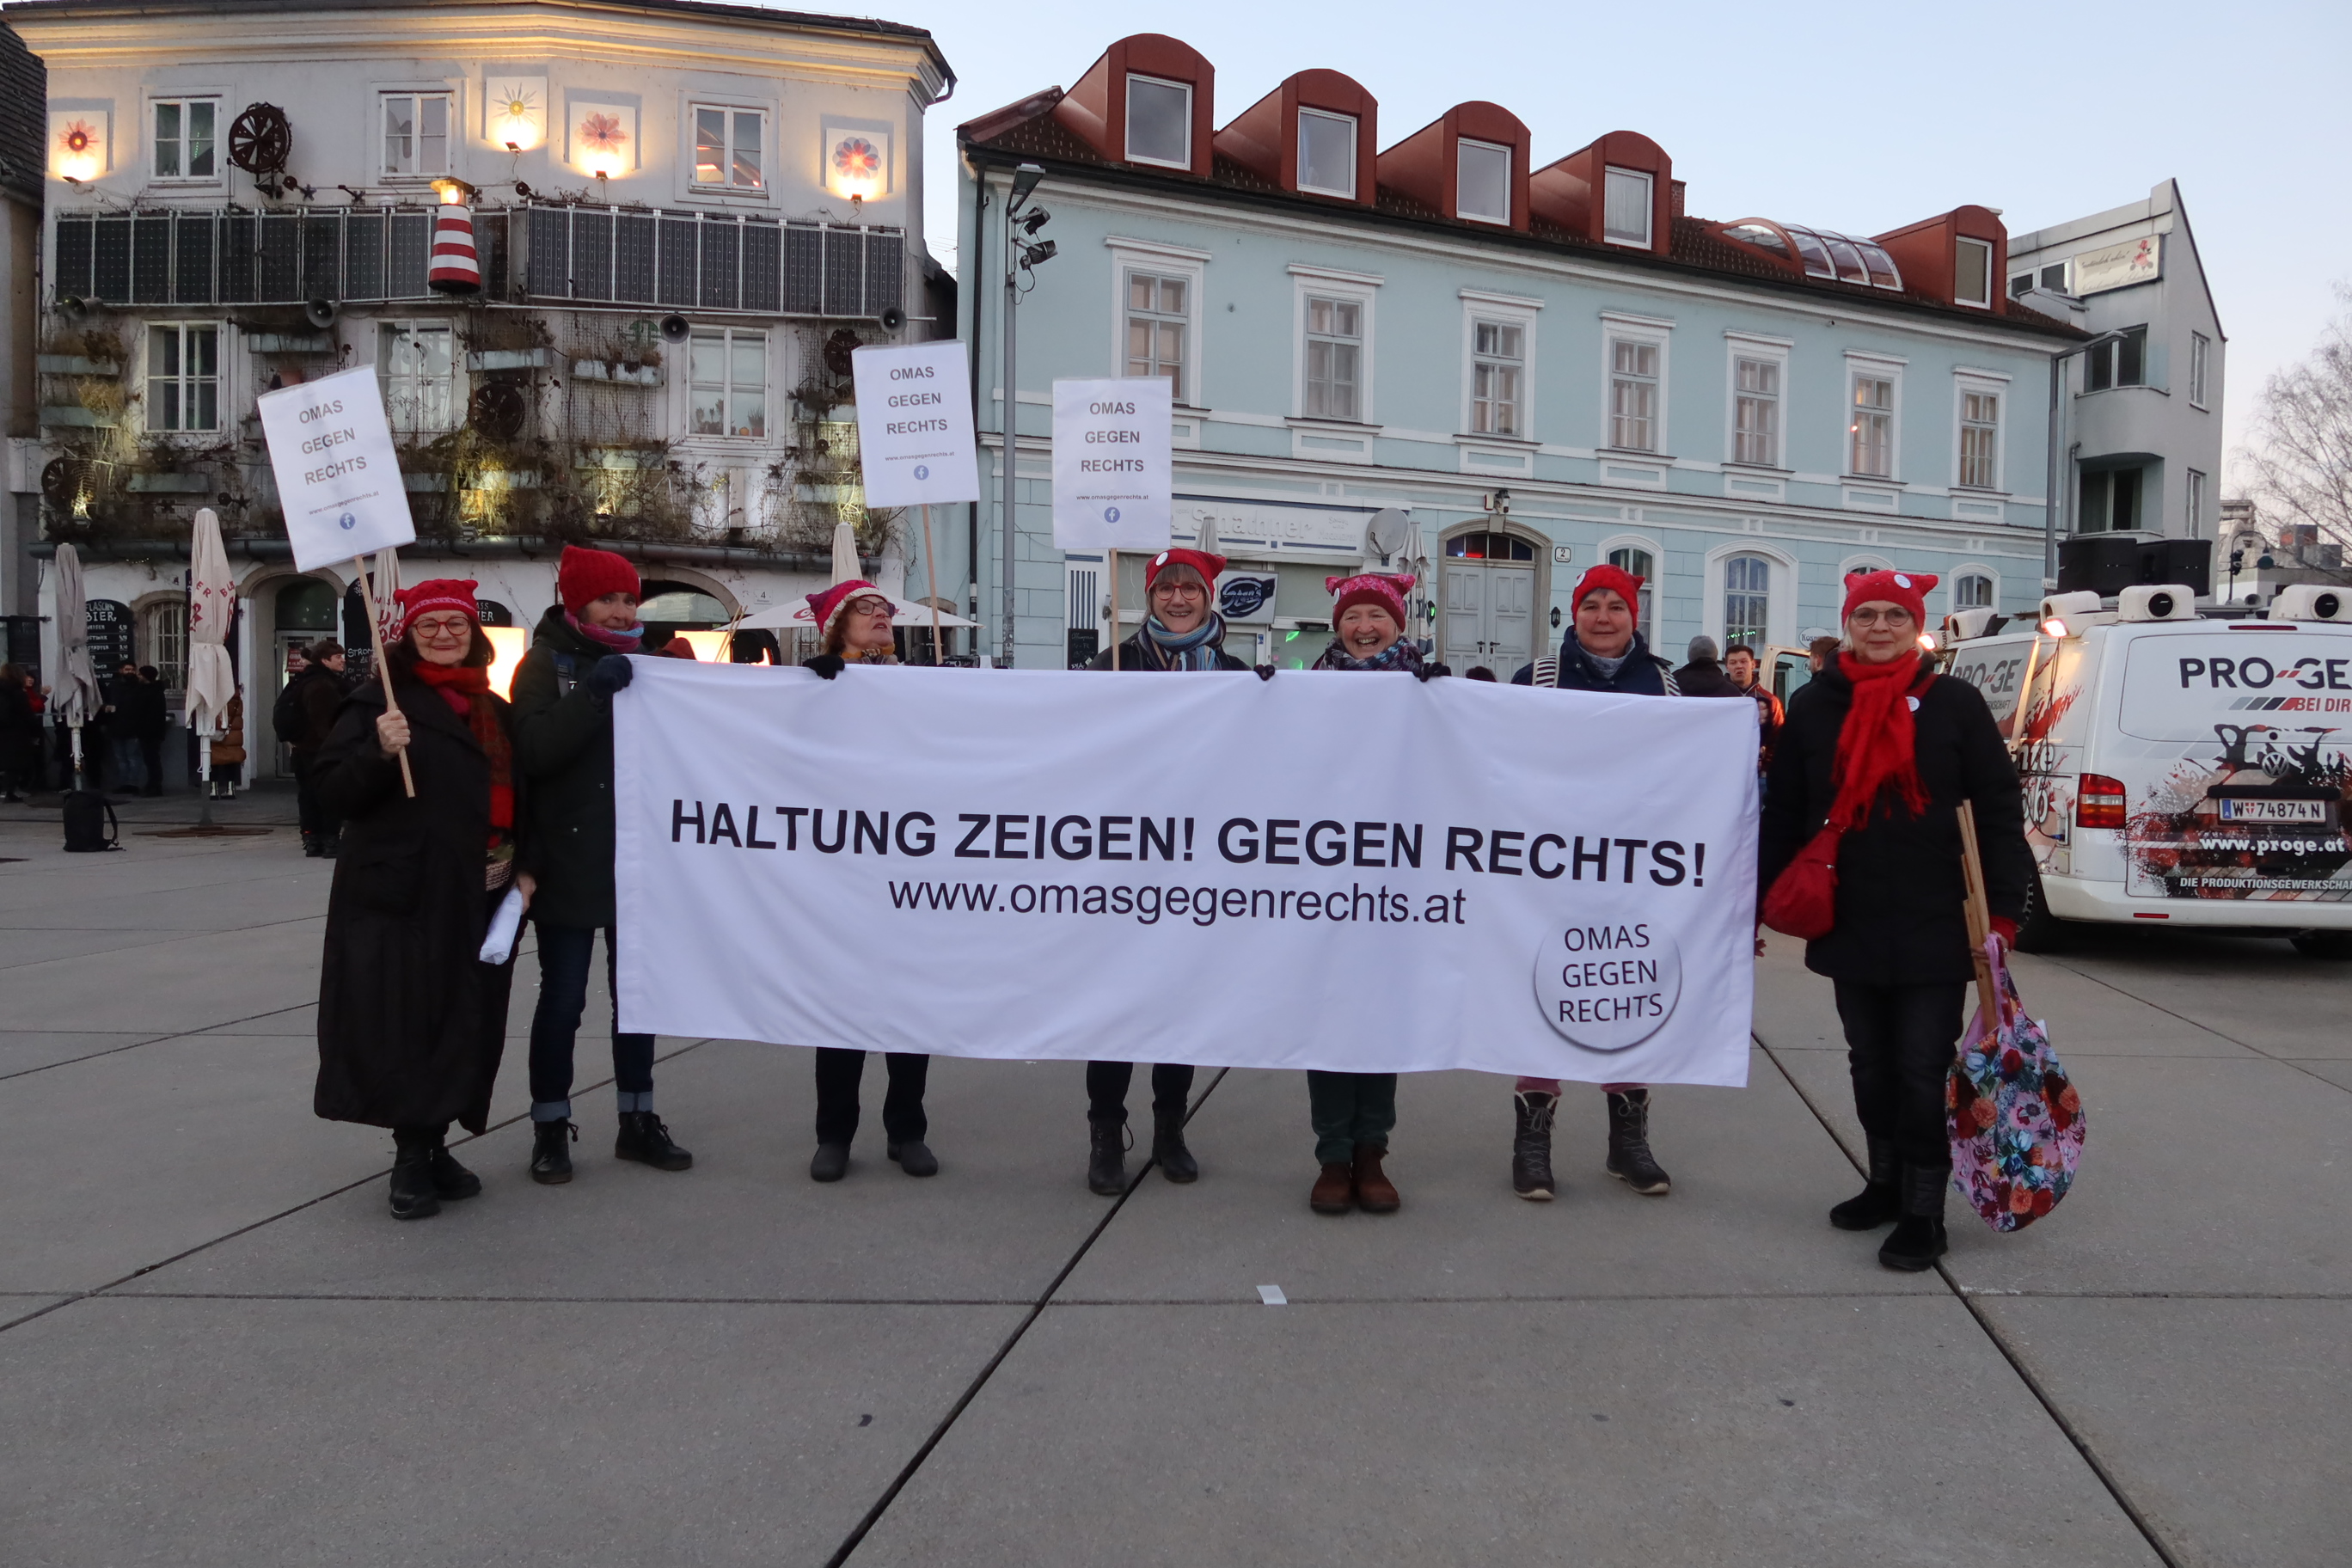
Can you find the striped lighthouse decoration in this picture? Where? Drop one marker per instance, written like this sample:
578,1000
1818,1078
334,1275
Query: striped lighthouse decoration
456,270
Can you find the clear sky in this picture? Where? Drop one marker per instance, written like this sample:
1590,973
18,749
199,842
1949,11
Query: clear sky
1851,117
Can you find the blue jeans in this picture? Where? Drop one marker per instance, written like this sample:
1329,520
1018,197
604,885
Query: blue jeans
564,953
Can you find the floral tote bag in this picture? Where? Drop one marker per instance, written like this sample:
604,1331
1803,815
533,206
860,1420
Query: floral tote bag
2014,1119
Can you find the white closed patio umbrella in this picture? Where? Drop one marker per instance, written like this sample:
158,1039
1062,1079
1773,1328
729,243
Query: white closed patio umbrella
75,697
211,680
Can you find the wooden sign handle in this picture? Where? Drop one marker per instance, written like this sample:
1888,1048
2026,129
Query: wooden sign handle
384,668
932,577
1111,558
1980,914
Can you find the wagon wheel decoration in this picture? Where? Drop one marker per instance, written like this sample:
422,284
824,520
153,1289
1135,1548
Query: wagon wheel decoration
497,410
837,350
260,139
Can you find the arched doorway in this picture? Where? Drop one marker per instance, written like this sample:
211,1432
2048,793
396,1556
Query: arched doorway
304,611
1489,581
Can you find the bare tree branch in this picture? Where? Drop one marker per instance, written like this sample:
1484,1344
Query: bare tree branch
2302,455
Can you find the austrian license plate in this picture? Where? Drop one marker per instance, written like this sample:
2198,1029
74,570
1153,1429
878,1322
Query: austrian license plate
2243,809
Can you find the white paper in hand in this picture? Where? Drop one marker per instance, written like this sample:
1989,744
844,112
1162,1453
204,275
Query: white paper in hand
506,925
338,477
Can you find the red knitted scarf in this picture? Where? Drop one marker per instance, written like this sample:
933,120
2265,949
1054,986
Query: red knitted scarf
467,691
1878,746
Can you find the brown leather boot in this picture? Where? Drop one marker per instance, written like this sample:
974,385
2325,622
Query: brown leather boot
1335,1189
1374,1191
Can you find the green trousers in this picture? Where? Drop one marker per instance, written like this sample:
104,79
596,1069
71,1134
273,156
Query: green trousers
1349,1109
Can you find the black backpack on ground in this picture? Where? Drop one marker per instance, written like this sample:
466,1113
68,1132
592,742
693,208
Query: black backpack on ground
90,825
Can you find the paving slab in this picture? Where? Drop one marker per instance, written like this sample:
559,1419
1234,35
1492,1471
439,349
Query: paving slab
1008,1208
2268,1209
2256,991
30,1050
2226,1422
1753,1176
189,982
2337,1072
200,1432
1645,1434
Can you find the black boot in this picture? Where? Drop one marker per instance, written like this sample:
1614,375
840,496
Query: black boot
831,1163
310,848
1175,1160
914,1157
1629,1144
643,1138
1919,1237
451,1180
412,1196
551,1152
1880,1201
1531,1145
1107,1158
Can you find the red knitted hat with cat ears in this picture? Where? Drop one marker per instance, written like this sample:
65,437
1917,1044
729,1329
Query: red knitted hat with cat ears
1615,578
1200,560
1908,589
1373,588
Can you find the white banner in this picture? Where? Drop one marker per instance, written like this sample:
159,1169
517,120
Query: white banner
914,424
338,480
1315,871
1112,471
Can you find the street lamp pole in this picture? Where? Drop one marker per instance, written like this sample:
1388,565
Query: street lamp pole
1020,258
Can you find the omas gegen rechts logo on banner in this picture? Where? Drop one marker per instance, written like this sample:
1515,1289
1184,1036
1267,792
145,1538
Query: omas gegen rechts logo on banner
1608,984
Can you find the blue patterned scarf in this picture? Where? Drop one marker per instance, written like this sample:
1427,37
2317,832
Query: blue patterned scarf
1195,650
1403,654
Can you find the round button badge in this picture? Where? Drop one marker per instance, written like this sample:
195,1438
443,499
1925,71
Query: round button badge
1607,984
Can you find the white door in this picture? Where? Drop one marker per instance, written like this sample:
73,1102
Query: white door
1466,615
1489,617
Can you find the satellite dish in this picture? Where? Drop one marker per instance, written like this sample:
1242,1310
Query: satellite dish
1384,535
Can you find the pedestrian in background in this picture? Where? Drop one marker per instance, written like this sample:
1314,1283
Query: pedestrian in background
150,719
1704,674
120,718
20,735
564,691
852,622
1747,674
1354,1112
1878,746
228,751
1821,652
1182,632
1603,652
314,697
412,1023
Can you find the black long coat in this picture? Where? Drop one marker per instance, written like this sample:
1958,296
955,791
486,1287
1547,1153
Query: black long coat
411,1022
564,747
1900,892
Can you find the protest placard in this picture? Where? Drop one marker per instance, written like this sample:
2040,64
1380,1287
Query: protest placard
914,424
338,477
1111,464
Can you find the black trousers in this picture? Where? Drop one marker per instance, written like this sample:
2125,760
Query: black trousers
1172,1090
1900,1041
316,820
837,1074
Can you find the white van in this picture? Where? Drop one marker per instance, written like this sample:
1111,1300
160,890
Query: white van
2185,767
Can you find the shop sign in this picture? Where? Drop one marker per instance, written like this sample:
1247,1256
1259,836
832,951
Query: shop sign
2119,266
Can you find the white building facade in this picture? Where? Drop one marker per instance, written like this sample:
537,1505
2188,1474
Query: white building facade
686,216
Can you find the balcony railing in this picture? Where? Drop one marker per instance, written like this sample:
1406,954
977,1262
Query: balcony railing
690,261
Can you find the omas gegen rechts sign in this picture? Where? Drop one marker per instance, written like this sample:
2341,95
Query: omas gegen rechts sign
1111,464
914,424
338,478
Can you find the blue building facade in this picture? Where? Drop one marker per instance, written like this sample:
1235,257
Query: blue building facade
1543,368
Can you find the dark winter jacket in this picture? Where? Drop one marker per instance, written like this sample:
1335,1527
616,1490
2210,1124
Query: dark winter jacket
1770,716
321,692
1133,656
411,1022
563,746
1705,678
20,736
1643,673
1900,919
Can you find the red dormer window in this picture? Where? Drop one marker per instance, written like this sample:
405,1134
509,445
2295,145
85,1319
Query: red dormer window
1470,165
1146,101
1482,181
1159,121
1627,198
1326,153
1314,135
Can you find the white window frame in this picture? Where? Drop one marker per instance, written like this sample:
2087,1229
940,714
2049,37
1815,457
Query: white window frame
1646,613
1510,178
415,424
728,335
1329,283
185,381
1129,153
1870,367
1186,323
1739,346
1622,327
453,137
1166,261
1649,207
690,142
184,100
1964,386
1500,310
1780,591
2194,500
1354,127
2200,367
1962,571
1959,243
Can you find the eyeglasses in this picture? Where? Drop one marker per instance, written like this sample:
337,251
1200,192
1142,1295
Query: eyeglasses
441,627
870,604
1185,585
1892,616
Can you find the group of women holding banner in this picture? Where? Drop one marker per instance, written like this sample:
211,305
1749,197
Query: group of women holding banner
412,1018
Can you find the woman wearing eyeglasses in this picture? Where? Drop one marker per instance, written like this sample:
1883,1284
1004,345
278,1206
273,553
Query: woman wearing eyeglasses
412,1023
853,620
1879,746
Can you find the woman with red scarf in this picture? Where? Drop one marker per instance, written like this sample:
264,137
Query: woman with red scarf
1880,747
410,1021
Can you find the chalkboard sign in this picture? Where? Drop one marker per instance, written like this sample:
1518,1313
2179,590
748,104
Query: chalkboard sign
111,642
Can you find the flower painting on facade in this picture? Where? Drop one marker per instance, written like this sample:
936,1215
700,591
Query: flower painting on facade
857,163
78,144
604,138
